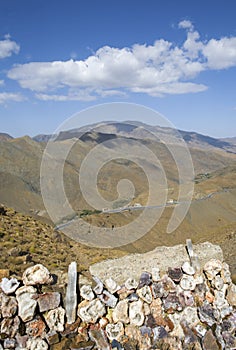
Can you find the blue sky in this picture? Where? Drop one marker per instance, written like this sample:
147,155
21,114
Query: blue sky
60,57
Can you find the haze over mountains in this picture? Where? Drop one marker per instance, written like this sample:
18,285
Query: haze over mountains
212,212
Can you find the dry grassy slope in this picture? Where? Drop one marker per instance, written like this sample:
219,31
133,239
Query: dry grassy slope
15,192
210,161
20,161
24,238
114,171
224,178
211,220
232,140
19,178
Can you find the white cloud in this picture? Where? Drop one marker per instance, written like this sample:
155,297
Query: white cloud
2,82
193,45
83,95
220,53
8,47
109,93
185,24
175,88
9,97
156,70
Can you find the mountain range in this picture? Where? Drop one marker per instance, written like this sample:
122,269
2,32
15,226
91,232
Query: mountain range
143,131
211,215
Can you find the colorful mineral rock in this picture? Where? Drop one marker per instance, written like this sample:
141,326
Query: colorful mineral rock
37,274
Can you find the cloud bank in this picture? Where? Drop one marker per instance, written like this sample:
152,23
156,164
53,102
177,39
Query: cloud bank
156,70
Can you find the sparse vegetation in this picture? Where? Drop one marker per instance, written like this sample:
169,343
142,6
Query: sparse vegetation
202,177
121,203
39,243
86,212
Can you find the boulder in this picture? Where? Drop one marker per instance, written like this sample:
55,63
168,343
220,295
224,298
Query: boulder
99,337
36,327
86,292
8,305
90,311
36,343
120,312
9,286
37,274
115,331
10,327
136,314
231,294
55,319
26,302
48,301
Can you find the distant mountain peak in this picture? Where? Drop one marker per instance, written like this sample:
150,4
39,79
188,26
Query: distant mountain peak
141,131
5,137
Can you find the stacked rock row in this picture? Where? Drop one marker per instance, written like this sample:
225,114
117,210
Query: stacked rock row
182,309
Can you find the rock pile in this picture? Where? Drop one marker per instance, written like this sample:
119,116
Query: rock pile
184,308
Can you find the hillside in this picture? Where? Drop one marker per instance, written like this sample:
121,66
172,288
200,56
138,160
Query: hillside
211,216
5,137
231,140
25,241
20,161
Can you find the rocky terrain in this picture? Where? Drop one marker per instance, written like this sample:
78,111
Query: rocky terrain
192,306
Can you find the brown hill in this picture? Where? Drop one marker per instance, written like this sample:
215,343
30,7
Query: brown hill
211,216
231,140
26,240
20,161
5,137
209,219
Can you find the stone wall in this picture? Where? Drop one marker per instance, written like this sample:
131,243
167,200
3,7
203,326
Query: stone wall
188,302
163,257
